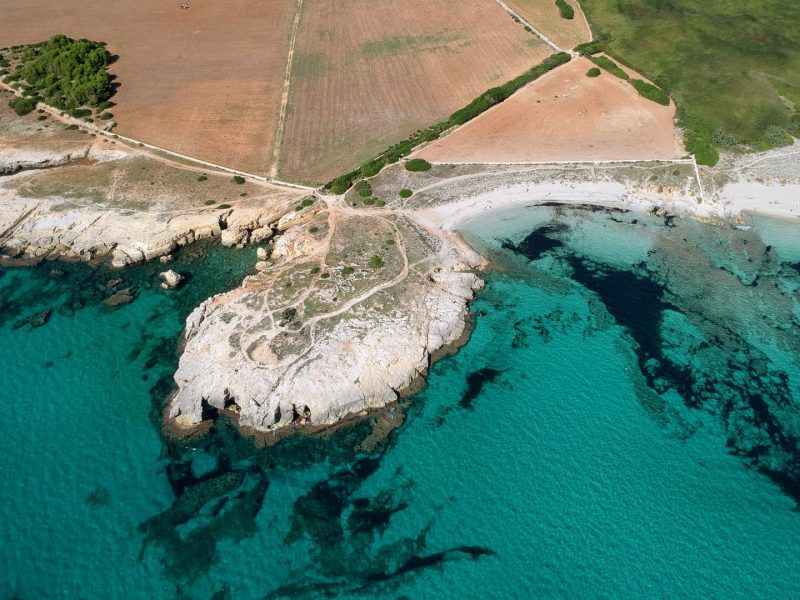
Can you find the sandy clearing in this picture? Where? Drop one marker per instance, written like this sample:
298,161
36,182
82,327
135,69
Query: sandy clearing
205,81
564,116
368,73
544,15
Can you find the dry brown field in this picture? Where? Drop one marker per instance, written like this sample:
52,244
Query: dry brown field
205,81
544,16
367,73
564,116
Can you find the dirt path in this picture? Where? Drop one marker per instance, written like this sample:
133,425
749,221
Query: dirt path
536,32
287,78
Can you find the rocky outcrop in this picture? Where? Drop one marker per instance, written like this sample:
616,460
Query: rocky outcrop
40,156
170,279
316,372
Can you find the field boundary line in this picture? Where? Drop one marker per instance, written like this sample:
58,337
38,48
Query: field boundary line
535,163
536,32
287,80
117,137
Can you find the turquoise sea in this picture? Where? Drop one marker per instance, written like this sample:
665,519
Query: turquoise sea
622,423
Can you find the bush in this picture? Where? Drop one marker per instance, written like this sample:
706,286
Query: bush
223,206
313,229
794,126
41,118
405,193
369,201
723,139
566,11
376,262
418,164
307,202
209,202
777,136
593,72
364,189
610,66
347,271
22,106
380,203
372,168
79,113
72,127
202,178
238,179
105,116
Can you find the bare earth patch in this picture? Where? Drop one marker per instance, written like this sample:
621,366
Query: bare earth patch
205,81
368,73
564,116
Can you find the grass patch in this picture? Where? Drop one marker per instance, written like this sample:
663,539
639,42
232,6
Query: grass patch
725,64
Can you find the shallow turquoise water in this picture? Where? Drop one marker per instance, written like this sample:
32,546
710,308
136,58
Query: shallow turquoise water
622,423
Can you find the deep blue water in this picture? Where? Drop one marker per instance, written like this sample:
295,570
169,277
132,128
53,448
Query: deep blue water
622,423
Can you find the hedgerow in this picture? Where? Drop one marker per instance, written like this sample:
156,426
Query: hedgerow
651,92
609,65
485,101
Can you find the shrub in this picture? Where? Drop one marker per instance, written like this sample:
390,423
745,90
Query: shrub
380,203
594,47
41,118
390,242
609,65
418,164
313,229
777,136
405,193
307,202
347,271
372,168
22,106
376,262
243,194
105,116
794,126
72,127
566,11
209,202
238,179
314,270
224,206
79,113
723,139
369,201
325,275
593,72
363,188
651,92
202,178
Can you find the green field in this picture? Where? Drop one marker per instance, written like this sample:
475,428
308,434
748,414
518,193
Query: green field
733,67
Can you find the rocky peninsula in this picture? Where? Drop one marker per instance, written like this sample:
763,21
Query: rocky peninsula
354,294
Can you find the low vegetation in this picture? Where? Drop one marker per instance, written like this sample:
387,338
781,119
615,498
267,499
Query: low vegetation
593,72
565,10
732,68
479,105
645,89
405,193
610,66
238,179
